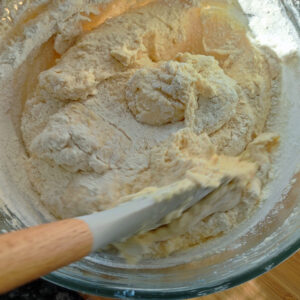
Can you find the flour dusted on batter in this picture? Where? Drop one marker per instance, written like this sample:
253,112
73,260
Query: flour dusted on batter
159,93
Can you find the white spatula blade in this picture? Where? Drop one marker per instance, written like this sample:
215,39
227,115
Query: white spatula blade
143,213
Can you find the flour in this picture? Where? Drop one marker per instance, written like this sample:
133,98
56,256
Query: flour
95,144
120,108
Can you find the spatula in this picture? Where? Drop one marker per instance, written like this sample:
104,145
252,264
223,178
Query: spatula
33,252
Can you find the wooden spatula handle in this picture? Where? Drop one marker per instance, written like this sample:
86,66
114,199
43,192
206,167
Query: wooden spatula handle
30,253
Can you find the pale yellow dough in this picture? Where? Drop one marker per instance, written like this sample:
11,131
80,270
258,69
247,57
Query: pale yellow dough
165,91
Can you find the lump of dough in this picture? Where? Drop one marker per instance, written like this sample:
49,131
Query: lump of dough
157,96
77,139
161,95
61,85
217,94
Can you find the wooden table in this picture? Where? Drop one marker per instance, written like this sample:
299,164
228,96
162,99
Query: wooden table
281,283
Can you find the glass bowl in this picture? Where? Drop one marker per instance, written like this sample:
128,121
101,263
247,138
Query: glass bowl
270,236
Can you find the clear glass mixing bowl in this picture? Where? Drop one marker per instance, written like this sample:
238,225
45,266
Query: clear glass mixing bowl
245,253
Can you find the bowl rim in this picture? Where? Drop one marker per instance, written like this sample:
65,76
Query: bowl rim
83,286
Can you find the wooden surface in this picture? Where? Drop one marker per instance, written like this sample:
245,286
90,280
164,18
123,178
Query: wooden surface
30,253
282,282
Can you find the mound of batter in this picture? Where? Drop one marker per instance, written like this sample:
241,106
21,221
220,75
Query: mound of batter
165,91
